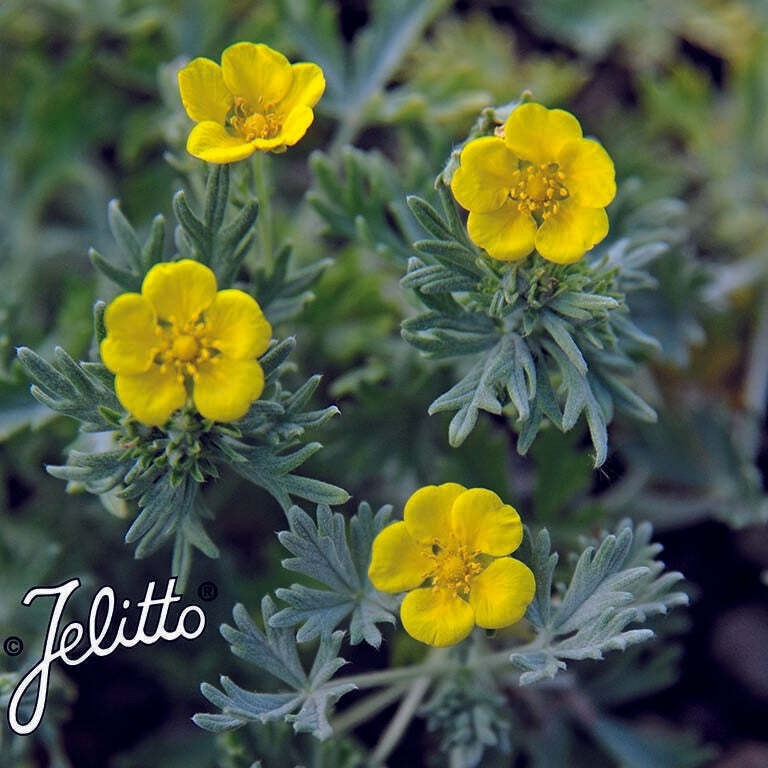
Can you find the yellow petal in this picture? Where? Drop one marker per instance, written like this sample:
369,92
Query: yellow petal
436,616
213,143
261,75
130,345
296,124
180,289
427,513
203,93
306,88
236,326
568,234
589,173
482,521
506,233
483,180
501,593
224,388
398,562
264,145
151,397
537,134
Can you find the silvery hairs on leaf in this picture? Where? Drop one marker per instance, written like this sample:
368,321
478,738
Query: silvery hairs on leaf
325,552
540,340
163,469
614,585
274,651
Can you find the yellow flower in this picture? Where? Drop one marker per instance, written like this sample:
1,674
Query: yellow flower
181,337
256,100
456,538
538,185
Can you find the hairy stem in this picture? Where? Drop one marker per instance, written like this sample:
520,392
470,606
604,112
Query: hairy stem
400,722
431,668
367,708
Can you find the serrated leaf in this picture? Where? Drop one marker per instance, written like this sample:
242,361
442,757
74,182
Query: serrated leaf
613,586
274,651
323,552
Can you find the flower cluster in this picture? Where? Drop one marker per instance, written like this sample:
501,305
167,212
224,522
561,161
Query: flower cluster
457,539
180,337
537,185
256,100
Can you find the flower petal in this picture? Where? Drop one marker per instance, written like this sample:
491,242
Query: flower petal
152,396
483,180
506,233
130,345
427,513
180,289
306,89
398,562
482,521
573,230
537,134
213,143
225,388
236,326
296,124
436,617
203,93
589,173
501,593
261,75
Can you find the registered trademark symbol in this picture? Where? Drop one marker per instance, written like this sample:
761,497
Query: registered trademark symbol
207,591
13,645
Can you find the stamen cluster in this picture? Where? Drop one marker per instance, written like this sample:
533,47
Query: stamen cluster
453,566
184,347
539,189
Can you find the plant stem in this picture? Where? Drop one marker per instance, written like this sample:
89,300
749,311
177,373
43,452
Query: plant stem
261,176
432,669
366,708
400,722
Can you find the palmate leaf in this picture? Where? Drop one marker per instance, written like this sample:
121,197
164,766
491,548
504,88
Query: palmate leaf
535,340
325,552
274,650
613,586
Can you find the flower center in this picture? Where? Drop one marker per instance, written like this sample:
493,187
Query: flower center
253,123
184,347
453,567
539,189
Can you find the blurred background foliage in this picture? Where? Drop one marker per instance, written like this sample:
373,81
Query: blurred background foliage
678,94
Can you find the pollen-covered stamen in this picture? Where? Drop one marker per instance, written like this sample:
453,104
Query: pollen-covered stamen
539,189
250,122
184,347
453,567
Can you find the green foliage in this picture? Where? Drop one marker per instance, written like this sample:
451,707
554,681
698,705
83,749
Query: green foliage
548,341
469,715
693,464
366,202
274,650
324,552
613,586
163,469
356,77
